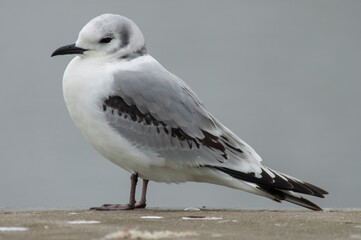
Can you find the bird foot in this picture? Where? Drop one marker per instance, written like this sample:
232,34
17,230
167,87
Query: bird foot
116,207
140,205
113,207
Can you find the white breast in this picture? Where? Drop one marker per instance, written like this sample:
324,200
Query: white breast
86,84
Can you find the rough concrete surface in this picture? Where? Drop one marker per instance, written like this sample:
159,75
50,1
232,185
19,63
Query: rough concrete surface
180,224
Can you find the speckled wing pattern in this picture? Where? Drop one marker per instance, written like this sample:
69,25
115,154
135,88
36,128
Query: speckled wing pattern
161,113
158,111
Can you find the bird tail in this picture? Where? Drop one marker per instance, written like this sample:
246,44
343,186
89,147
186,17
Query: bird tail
280,187
289,196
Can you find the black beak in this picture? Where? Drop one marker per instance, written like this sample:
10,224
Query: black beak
68,49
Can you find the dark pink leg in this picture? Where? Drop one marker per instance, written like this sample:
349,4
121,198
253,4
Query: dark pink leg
130,205
143,200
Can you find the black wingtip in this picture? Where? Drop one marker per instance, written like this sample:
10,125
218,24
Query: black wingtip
300,186
310,205
284,195
280,187
320,190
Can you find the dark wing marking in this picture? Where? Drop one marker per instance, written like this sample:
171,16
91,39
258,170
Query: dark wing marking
279,181
279,195
118,110
156,110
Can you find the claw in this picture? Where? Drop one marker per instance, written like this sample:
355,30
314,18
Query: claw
113,207
131,205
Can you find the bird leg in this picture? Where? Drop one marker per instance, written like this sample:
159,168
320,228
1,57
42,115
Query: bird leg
143,200
131,205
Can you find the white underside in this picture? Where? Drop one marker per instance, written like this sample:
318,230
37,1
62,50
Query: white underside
85,86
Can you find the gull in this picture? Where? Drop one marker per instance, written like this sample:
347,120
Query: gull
148,121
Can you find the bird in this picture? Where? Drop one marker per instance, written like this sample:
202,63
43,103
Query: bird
148,121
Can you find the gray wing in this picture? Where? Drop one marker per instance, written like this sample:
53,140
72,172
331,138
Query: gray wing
158,111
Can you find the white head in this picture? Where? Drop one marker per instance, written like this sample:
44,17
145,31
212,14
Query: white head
107,35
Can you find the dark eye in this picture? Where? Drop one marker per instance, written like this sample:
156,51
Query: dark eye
106,40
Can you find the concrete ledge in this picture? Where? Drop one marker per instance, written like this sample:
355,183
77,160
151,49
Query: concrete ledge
180,224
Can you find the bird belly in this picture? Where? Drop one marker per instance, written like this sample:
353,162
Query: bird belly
84,90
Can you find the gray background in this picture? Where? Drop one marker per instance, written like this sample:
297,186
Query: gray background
283,75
